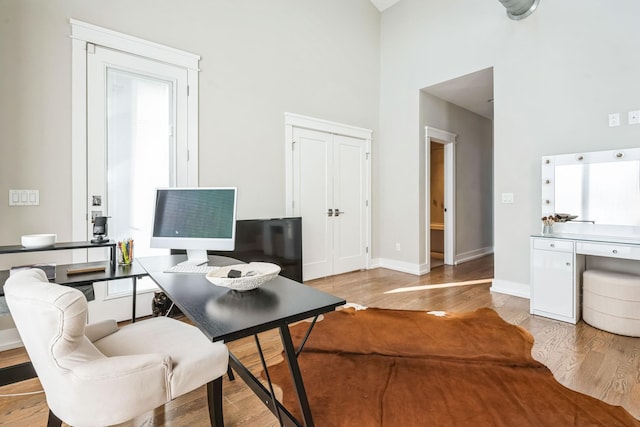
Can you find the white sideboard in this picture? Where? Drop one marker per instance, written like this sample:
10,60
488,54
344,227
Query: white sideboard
557,263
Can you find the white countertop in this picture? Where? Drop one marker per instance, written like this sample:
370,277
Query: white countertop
629,240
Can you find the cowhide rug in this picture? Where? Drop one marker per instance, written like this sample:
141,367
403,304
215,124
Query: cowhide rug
393,368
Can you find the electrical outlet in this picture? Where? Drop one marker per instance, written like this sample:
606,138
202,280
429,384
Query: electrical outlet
634,117
614,119
507,197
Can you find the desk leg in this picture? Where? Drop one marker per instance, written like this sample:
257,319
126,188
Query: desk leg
135,297
112,251
261,391
296,376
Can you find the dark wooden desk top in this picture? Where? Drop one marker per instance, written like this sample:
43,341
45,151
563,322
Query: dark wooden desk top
62,278
64,246
224,314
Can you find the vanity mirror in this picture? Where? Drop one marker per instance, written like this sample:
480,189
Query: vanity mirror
600,188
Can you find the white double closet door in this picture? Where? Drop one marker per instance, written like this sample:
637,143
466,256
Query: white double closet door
330,194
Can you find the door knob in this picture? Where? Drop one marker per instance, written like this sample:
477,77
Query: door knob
330,212
338,212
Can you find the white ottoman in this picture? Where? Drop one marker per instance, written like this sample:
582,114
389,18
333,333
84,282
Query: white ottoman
611,301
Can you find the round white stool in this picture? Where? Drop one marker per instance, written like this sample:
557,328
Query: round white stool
611,301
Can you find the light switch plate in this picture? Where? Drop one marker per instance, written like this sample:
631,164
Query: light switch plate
634,117
614,119
24,197
507,197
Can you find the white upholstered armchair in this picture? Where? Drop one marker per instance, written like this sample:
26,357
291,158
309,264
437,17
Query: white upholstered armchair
99,374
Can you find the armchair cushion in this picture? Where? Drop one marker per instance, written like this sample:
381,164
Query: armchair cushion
194,357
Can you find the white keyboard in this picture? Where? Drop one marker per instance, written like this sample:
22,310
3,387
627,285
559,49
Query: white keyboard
191,269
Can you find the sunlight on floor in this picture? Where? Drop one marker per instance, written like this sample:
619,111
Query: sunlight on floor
440,285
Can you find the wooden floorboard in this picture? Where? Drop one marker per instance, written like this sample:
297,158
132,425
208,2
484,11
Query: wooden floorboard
583,358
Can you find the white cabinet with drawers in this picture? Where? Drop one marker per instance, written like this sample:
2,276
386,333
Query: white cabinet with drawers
557,264
555,279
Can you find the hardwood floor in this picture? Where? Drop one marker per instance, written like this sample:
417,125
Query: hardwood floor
585,359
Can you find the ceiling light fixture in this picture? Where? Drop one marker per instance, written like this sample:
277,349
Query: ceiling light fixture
519,9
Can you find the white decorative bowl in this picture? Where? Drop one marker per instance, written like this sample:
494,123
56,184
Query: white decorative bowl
252,276
32,241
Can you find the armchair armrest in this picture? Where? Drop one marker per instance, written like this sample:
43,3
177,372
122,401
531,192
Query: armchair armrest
99,330
118,367
127,384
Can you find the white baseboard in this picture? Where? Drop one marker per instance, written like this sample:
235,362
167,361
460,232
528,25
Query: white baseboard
423,268
405,267
10,339
511,288
476,253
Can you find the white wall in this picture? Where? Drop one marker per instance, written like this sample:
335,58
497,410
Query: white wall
260,59
557,74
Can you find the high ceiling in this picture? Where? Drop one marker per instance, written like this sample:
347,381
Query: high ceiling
473,92
384,4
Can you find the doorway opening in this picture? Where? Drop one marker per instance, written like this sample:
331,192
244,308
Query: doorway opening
133,110
440,209
436,229
465,105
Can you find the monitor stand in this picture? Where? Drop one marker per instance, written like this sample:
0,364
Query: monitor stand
196,257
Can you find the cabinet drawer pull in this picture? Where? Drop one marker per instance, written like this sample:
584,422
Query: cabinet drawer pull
568,264
615,251
552,245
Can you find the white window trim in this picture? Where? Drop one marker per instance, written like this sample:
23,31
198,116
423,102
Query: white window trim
81,34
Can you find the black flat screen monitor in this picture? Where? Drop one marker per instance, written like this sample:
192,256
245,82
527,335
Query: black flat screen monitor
275,240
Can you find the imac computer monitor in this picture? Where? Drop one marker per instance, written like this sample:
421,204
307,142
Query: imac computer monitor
195,219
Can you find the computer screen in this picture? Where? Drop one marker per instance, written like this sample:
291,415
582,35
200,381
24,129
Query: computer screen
195,219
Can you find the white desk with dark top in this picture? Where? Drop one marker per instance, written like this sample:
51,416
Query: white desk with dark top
226,315
65,274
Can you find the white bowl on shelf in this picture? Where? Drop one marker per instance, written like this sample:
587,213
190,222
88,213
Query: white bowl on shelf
252,275
32,241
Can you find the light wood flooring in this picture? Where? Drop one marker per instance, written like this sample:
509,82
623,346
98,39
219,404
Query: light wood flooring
582,358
